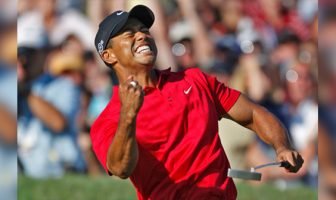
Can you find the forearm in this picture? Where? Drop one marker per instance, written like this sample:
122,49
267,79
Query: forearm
122,154
47,113
261,121
269,129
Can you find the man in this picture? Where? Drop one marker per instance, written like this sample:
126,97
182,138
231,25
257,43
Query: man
160,128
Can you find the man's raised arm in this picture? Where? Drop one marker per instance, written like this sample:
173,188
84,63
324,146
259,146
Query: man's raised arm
122,155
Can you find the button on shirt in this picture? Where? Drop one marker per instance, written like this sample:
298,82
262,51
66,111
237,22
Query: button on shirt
180,153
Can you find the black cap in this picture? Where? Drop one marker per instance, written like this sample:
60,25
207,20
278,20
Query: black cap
113,23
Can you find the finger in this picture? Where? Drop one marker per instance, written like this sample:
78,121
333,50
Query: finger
298,159
284,161
301,159
288,163
125,85
128,80
291,159
139,91
298,162
138,87
133,84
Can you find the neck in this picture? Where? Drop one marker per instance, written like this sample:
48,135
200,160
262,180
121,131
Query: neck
145,78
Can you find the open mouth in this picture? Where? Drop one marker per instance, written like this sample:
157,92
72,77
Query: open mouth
143,49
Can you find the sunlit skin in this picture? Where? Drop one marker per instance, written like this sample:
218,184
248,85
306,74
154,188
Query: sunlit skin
121,52
132,54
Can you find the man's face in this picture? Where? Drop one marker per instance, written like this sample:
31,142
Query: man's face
300,88
134,45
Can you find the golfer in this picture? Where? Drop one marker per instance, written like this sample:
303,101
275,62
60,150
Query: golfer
160,128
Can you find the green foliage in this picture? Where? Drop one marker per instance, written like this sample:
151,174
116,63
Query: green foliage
110,188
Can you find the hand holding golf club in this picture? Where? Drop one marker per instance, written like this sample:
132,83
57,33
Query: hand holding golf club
253,174
291,157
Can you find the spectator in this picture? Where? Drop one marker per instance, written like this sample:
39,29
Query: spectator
47,135
327,98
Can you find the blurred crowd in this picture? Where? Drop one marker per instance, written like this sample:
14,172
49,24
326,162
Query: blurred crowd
8,101
327,100
266,49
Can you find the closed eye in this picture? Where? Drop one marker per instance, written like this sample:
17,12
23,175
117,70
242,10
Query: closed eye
128,33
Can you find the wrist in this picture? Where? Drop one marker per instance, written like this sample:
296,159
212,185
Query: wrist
128,117
281,148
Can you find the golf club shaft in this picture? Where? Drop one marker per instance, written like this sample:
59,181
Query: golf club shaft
281,164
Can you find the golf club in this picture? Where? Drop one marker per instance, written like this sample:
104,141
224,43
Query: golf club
252,174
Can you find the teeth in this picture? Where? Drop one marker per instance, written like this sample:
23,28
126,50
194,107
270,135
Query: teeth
144,48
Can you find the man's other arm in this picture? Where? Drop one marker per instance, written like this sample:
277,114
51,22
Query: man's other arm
268,128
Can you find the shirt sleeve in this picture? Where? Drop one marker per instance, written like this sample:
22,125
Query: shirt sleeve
102,133
224,97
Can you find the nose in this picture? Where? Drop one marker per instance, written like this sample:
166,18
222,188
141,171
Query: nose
140,36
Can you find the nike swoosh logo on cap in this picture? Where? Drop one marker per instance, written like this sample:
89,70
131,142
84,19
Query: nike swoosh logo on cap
188,90
119,13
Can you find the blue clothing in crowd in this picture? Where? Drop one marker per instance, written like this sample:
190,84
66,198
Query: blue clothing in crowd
42,152
8,153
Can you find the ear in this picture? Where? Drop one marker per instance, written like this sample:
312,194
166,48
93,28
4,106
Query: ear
109,57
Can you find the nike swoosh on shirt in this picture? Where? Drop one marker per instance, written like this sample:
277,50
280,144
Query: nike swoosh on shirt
188,90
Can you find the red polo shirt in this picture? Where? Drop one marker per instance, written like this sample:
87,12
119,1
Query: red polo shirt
180,153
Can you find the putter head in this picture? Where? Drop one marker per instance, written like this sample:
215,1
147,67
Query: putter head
247,175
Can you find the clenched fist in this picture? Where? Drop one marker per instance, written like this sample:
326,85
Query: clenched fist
131,97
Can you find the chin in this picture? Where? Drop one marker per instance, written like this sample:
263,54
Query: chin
148,65
147,61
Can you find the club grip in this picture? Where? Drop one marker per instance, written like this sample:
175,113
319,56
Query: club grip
285,164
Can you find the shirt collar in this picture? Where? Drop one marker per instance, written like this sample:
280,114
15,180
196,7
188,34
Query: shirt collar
162,77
